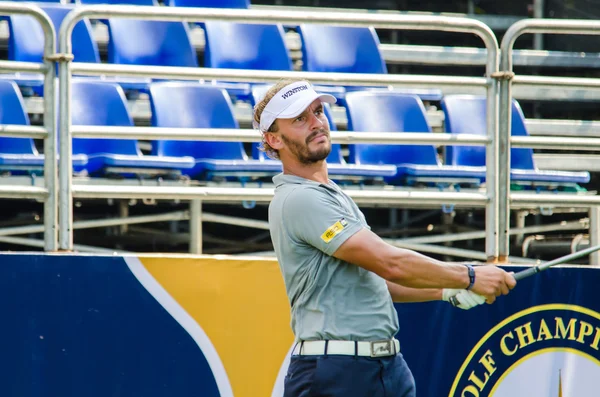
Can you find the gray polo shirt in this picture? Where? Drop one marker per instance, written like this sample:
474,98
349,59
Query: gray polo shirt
330,298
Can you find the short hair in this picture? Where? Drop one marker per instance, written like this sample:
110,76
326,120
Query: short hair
260,107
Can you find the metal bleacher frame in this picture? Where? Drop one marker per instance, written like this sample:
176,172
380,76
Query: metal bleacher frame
48,192
495,199
196,195
570,87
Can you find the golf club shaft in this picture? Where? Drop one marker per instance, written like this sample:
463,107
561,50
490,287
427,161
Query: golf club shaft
563,259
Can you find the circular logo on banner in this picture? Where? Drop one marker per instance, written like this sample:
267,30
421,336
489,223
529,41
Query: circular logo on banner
544,351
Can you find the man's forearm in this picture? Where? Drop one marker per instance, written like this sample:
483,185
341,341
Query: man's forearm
403,294
411,269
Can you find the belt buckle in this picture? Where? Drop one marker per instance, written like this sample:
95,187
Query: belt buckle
380,348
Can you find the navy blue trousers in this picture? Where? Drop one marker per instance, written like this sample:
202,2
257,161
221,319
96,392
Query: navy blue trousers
349,376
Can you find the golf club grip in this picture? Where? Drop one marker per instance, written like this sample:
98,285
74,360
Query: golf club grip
526,273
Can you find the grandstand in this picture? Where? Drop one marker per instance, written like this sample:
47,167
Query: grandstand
136,254
424,170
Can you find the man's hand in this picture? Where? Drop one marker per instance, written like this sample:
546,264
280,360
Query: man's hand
492,281
462,298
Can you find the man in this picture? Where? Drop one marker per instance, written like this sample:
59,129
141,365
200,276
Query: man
341,278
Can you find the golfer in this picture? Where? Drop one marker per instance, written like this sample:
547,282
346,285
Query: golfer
341,278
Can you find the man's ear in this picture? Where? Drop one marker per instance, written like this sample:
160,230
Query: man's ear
274,140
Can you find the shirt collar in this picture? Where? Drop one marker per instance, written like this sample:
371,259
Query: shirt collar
282,179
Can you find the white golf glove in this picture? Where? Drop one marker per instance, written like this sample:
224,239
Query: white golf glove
462,298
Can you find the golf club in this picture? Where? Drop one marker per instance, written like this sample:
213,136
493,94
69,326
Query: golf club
563,259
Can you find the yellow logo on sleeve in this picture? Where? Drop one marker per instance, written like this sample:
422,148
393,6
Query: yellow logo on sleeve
333,230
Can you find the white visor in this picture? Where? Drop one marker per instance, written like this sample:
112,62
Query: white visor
290,102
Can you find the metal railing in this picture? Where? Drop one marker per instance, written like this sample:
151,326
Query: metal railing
585,85
410,22
49,192
495,199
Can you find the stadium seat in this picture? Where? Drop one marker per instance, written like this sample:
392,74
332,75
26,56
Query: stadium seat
244,46
394,112
342,49
26,43
143,42
248,46
19,156
120,2
194,105
16,154
41,1
466,114
104,104
210,3
337,166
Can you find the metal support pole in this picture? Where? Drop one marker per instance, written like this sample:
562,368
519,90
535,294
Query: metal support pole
50,171
470,236
405,219
132,220
123,213
493,170
458,252
50,174
538,12
65,210
595,234
520,224
30,242
503,163
447,221
393,221
470,8
196,226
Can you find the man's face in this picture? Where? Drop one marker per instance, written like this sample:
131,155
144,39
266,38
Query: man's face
306,136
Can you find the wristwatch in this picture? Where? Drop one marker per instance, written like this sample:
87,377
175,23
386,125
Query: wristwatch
471,275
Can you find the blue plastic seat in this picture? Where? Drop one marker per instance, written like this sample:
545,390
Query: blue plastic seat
340,49
143,42
120,2
234,45
393,112
101,103
337,166
19,155
26,43
248,46
466,114
343,49
245,46
210,3
194,105
41,1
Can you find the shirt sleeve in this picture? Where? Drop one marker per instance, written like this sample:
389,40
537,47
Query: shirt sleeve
316,217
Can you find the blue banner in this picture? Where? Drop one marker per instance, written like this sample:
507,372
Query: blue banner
84,326
96,326
540,340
